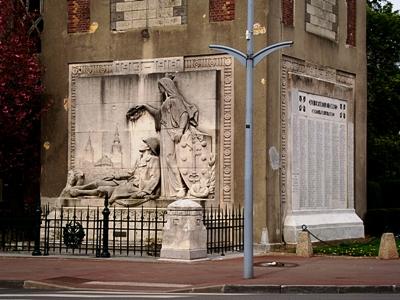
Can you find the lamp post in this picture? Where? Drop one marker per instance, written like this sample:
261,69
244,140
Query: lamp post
250,60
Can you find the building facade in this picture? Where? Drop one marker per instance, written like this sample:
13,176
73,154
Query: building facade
106,59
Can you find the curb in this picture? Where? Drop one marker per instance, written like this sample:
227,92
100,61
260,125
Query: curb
11,284
234,289
297,289
31,284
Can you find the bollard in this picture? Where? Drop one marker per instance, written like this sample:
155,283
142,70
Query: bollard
106,215
388,247
304,246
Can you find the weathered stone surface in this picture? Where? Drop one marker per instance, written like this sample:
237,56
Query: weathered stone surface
116,106
317,159
184,234
304,246
321,18
387,247
147,13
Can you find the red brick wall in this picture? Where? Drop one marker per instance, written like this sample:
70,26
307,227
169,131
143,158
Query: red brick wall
287,12
222,10
78,16
351,22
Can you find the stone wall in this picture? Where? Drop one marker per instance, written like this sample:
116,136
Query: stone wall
321,18
133,14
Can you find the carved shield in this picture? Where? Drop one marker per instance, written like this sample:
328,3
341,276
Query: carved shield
193,155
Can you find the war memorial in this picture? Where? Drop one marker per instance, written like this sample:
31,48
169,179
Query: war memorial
145,113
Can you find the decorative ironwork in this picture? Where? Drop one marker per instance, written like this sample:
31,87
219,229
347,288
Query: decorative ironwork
73,234
132,231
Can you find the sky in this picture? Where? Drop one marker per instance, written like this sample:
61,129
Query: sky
396,4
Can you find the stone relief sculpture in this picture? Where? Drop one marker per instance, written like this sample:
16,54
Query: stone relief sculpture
187,165
74,178
145,178
141,183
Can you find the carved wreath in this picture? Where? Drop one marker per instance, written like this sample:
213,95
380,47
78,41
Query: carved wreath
73,234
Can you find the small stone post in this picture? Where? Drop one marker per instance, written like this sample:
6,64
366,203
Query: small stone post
184,234
387,247
304,246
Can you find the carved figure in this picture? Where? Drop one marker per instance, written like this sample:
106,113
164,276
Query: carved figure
74,178
182,145
142,182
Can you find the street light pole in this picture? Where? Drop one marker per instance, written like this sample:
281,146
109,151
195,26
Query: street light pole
250,60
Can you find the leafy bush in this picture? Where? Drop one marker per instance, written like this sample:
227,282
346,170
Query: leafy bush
383,194
369,247
378,221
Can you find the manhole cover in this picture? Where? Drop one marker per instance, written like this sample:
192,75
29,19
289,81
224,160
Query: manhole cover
275,264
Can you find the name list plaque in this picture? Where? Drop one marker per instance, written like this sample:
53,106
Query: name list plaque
319,149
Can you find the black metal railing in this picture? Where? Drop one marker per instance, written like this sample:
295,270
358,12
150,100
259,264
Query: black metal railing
17,232
131,231
224,229
105,232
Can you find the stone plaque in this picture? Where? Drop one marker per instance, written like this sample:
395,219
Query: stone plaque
317,152
319,137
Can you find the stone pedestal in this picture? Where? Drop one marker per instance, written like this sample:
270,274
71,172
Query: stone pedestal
184,234
304,246
387,247
328,225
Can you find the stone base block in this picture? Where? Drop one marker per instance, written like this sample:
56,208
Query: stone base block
182,254
327,225
388,247
184,234
304,246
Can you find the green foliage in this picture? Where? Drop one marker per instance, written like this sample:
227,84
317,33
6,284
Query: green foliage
384,155
20,91
383,53
364,248
380,220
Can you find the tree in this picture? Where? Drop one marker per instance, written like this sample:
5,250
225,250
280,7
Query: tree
20,93
383,53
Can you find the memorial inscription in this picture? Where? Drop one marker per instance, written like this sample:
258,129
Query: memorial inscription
317,151
319,172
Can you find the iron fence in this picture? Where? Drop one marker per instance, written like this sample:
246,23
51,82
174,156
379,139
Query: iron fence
17,232
224,229
131,231
104,232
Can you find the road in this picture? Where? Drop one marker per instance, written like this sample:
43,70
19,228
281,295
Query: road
22,294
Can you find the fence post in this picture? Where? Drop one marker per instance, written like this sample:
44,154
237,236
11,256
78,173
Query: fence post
106,215
38,221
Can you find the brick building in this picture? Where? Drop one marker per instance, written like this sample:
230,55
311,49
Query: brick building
310,99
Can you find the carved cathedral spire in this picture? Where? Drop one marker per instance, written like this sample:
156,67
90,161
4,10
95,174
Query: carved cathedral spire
116,150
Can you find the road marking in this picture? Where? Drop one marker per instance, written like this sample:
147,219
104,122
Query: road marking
139,284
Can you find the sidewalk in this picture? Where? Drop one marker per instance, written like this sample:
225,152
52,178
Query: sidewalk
291,274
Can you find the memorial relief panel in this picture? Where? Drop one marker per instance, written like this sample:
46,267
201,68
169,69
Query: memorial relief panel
156,129
317,151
